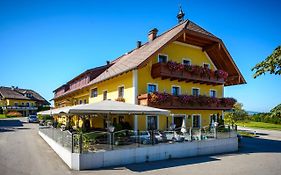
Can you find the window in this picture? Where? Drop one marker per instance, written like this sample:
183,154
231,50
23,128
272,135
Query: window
104,95
94,92
16,104
186,62
213,93
121,91
195,92
80,102
162,58
213,118
151,88
206,65
196,121
151,122
22,104
85,101
175,90
27,104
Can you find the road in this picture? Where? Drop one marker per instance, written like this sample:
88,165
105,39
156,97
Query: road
22,151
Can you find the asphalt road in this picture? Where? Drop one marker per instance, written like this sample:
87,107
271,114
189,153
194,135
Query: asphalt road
22,151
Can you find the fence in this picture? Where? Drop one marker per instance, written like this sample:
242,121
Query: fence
64,138
124,139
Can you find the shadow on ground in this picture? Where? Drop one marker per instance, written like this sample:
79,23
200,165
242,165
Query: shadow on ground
10,123
148,166
247,146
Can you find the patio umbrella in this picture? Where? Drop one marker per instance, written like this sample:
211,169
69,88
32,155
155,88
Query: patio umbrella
183,127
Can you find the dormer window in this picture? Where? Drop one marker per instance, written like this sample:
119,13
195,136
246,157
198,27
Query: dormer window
162,58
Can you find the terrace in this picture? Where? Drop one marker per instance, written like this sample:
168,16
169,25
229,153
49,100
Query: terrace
89,150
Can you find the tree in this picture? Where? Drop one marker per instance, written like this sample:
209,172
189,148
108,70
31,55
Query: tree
271,64
237,114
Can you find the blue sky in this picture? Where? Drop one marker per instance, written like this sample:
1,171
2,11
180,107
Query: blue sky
43,44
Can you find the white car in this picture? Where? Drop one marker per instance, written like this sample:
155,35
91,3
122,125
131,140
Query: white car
173,136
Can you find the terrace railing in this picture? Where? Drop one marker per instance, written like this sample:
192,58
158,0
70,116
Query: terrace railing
124,139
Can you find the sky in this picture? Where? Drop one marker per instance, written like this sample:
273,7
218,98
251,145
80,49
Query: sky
44,44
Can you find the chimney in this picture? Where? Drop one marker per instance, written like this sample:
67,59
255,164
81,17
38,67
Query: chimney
107,62
152,34
138,44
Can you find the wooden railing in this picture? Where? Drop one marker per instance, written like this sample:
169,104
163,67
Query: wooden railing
161,70
174,102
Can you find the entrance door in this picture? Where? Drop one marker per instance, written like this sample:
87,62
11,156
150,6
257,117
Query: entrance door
178,119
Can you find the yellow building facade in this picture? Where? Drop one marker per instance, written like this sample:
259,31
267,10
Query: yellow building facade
126,79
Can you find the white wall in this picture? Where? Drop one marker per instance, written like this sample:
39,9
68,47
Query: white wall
100,159
157,152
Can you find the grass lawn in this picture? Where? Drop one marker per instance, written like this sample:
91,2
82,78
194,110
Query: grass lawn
261,125
3,116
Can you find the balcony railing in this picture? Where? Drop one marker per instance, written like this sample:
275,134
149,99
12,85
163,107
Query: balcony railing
19,108
188,73
168,101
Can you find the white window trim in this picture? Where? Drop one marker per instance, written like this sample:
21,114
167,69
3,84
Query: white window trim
195,88
118,90
186,59
146,125
200,122
91,91
175,86
163,55
151,84
213,90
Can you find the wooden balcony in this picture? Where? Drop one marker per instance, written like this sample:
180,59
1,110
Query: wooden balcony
161,70
174,102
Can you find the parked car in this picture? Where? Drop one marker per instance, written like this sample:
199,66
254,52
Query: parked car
143,137
120,139
239,138
173,136
32,119
160,137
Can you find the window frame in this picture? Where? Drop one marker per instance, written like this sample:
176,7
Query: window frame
118,90
157,122
176,86
186,59
209,65
210,93
91,94
161,54
156,85
195,88
105,91
200,120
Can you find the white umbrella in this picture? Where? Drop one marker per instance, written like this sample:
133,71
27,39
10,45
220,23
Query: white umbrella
183,126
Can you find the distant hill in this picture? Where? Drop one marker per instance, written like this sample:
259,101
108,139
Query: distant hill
252,112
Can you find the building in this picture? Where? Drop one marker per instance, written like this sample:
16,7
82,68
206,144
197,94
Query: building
24,101
184,69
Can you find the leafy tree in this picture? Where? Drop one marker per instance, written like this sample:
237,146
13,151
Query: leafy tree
271,64
236,115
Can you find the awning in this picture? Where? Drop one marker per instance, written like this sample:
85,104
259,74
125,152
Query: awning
107,107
